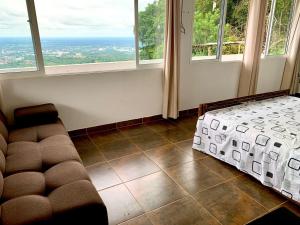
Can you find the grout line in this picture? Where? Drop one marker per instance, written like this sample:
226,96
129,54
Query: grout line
281,204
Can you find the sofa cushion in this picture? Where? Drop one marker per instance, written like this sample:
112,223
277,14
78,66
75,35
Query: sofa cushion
29,209
37,133
2,162
22,146
3,144
30,160
35,115
56,140
3,130
53,155
1,184
64,173
25,183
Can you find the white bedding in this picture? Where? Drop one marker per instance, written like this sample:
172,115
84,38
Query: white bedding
260,138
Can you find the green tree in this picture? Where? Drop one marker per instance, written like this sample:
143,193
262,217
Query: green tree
151,30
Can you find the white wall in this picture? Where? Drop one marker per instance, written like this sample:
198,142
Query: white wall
97,99
90,100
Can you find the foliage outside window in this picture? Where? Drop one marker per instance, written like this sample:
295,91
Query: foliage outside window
206,27
217,30
235,27
279,17
151,23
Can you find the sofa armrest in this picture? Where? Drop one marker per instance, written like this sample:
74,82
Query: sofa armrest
35,115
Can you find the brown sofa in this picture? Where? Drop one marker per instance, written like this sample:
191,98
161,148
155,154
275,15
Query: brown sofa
42,179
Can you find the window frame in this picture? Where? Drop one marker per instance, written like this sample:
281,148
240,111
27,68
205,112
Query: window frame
40,65
221,31
222,58
270,29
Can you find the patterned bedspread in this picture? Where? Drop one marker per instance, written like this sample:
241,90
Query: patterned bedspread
259,138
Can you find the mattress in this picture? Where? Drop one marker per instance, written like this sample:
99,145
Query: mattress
260,138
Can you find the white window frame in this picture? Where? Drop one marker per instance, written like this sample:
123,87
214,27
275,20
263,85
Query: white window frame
41,68
219,57
270,29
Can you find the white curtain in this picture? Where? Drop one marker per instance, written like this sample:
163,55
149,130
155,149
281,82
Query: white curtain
253,47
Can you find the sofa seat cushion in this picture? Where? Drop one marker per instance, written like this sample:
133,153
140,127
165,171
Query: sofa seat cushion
53,155
65,173
56,140
29,160
29,209
37,133
25,183
22,146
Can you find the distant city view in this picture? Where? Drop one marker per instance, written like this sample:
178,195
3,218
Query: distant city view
18,52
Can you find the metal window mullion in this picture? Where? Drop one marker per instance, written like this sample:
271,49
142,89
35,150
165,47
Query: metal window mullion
221,29
136,32
35,36
270,27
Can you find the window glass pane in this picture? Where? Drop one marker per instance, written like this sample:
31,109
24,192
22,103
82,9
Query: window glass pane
268,14
16,47
206,28
80,32
235,27
280,27
151,29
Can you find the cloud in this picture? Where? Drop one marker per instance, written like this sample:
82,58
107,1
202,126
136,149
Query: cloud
72,17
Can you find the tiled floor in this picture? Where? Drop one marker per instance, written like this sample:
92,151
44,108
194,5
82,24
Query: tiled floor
149,175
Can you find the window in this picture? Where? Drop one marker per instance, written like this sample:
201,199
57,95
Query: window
84,32
151,20
235,27
16,46
219,28
278,28
206,28
73,36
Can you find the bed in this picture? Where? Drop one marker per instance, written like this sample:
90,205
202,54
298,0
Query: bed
260,138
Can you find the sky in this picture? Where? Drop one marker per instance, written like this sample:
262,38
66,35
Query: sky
71,18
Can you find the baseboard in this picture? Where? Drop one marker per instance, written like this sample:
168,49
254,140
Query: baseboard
127,123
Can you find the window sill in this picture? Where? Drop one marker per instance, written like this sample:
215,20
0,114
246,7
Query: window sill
84,69
212,59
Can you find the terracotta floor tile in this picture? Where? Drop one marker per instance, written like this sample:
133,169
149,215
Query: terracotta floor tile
221,168
106,137
121,205
183,212
186,146
154,190
264,195
194,176
88,152
188,123
135,130
149,140
91,156
161,125
168,155
140,220
176,134
82,142
134,166
103,176
229,205
118,148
